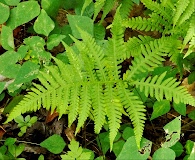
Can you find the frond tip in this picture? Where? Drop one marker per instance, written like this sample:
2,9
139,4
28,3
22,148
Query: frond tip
159,87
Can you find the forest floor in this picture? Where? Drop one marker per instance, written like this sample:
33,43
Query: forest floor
49,124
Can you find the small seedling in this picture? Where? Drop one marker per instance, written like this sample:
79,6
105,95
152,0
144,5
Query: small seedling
10,150
24,123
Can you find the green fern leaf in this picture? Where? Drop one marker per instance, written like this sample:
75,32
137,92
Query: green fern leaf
99,112
74,104
150,58
159,87
191,31
114,112
190,9
109,4
133,45
97,7
126,7
158,8
144,24
135,109
115,50
85,106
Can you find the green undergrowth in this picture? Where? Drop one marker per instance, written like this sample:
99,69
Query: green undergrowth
87,80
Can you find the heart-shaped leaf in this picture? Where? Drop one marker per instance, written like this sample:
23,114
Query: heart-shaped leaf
54,144
43,24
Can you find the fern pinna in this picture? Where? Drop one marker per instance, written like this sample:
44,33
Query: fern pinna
90,85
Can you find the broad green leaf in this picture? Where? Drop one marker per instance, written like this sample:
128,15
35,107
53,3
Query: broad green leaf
160,108
191,115
172,130
191,78
12,104
180,108
55,144
33,120
27,73
164,154
189,146
10,141
178,149
51,7
23,13
7,39
41,157
103,141
22,51
83,22
117,147
19,119
2,85
19,149
64,30
43,24
10,69
128,132
12,2
130,150
54,40
190,149
4,13
99,32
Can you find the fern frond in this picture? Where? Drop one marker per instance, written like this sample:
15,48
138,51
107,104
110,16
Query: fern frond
157,8
191,31
154,23
84,107
97,7
150,58
88,65
74,104
109,4
126,7
98,103
74,61
133,45
159,87
180,8
135,109
113,110
188,12
96,52
86,3
116,50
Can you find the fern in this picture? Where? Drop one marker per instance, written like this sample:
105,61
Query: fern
134,43
184,11
159,87
90,84
181,6
126,7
